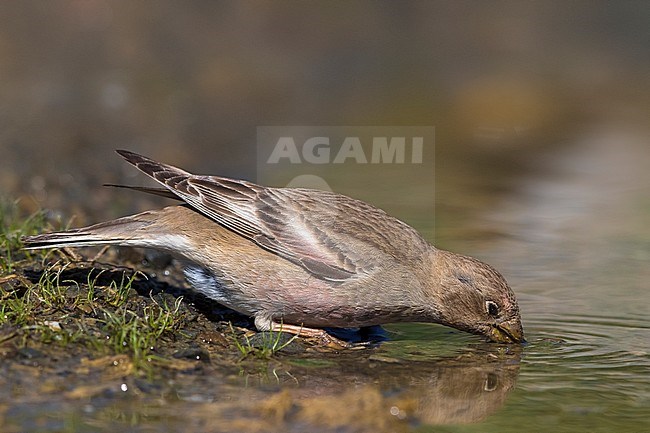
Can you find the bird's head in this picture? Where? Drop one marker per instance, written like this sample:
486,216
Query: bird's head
473,296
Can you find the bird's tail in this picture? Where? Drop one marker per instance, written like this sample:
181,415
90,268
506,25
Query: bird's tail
122,231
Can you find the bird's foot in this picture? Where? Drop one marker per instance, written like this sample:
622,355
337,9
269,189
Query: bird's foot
319,335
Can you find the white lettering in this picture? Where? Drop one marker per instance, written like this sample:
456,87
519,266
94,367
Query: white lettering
384,152
417,143
351,148
317,150
314,154
284,148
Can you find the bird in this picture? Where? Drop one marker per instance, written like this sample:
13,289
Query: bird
299,260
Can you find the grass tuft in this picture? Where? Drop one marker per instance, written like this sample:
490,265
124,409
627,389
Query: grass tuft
127,332
13,226
265,346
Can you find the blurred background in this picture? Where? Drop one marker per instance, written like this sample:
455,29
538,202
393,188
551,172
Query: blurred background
503,83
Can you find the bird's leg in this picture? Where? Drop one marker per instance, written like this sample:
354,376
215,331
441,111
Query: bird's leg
319,334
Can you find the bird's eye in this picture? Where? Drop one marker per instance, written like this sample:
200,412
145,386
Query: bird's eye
492,308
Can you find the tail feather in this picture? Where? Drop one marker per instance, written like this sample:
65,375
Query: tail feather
67,239
122,231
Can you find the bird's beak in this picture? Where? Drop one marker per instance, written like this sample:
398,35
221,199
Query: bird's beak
509,331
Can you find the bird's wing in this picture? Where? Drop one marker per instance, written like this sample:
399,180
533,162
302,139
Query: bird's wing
332,236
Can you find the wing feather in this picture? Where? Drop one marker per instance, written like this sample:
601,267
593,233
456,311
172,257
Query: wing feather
330,235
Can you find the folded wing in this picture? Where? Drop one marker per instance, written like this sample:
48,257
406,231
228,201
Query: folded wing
329,235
